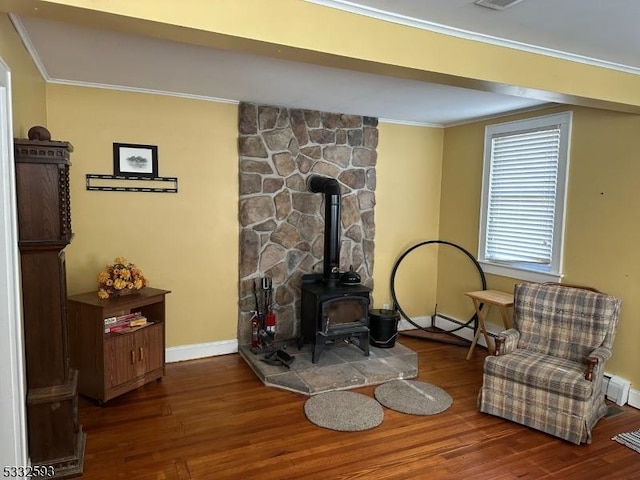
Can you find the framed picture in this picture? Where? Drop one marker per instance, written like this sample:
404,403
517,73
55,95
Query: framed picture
131,160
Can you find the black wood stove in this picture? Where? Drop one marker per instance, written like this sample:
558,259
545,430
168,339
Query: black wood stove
332,310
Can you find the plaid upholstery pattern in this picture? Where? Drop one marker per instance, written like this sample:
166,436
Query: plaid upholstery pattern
563,321
534,370
538,378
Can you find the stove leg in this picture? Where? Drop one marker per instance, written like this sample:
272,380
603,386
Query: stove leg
318,347
363,342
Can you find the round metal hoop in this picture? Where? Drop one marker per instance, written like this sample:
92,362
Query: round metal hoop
407,252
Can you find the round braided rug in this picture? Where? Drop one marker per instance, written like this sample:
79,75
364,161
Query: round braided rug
344,411
413,397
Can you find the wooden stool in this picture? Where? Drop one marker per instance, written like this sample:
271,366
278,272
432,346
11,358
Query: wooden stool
481,298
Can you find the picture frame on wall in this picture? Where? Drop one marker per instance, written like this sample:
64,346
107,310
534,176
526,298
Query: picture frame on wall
134,160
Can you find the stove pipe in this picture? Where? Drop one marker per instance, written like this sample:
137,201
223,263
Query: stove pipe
331,190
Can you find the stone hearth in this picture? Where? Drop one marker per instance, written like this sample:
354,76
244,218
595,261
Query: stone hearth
340,368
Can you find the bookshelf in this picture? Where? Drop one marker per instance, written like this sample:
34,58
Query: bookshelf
110,364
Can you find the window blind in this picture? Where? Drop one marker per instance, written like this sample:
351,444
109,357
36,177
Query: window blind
522,196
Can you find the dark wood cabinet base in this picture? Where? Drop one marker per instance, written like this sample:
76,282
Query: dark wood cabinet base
72,466
55,438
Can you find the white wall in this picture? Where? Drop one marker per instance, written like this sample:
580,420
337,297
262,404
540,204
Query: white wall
13,443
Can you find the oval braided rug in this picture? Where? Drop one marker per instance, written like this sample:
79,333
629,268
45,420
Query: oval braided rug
344,411
413,397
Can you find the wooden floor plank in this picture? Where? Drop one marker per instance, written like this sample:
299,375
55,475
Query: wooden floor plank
213,419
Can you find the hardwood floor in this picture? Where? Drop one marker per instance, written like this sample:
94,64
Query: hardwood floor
213,419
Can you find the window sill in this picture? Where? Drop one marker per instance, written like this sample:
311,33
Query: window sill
519,273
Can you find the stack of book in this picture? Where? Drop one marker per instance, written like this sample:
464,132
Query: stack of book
125,323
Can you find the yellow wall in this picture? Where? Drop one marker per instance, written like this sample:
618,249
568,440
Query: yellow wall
407,212
188,242
602,230
185,242
602,235
27,88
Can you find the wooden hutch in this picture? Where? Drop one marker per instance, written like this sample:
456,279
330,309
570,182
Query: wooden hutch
44,225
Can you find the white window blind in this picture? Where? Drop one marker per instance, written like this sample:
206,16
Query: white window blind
523,197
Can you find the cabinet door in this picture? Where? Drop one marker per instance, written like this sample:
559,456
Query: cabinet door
44,317
120,360
150,348
132,355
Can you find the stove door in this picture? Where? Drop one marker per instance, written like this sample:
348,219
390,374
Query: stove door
341,314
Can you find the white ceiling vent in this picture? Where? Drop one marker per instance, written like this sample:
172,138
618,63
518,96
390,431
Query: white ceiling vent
497,4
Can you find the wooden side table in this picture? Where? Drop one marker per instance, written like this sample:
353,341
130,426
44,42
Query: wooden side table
111,364
483,300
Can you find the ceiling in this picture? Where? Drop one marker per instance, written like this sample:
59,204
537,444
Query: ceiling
598,32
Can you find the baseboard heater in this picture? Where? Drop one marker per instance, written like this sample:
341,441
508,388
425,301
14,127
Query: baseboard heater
616,388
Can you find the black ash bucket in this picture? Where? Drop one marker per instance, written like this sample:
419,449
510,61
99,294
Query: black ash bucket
383,327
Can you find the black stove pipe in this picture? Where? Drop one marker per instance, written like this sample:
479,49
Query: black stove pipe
331,190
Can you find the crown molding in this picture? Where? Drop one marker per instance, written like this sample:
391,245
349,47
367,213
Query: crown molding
188,96
410,123
121,88
378,14
150,91
503,114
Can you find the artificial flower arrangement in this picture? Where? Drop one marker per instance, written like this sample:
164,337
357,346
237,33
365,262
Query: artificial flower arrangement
120,277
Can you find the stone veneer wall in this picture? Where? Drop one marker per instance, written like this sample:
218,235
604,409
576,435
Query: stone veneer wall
281,222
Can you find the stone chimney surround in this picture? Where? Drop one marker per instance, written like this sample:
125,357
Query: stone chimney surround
281,222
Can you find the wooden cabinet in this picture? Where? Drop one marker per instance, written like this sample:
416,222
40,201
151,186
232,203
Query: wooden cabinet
111,364
44,230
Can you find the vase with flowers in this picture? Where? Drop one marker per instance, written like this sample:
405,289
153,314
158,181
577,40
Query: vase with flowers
120,278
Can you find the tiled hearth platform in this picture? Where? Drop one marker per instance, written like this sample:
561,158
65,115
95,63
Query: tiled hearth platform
341,366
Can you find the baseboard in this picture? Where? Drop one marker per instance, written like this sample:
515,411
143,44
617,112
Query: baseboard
403,324
200,350
634,398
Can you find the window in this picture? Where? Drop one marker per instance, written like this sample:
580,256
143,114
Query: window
523,197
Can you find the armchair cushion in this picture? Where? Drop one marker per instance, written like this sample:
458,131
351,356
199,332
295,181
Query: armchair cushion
541,374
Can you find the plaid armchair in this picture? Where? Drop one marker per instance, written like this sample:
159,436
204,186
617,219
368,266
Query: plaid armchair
547,370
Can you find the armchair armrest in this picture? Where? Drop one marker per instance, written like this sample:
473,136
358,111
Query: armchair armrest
507,341
595,363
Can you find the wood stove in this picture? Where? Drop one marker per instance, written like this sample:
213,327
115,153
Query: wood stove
334,312
330,310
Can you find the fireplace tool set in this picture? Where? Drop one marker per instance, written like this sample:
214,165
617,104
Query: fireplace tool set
263,326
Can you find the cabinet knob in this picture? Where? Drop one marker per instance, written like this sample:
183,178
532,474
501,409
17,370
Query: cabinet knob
141,353
133,357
